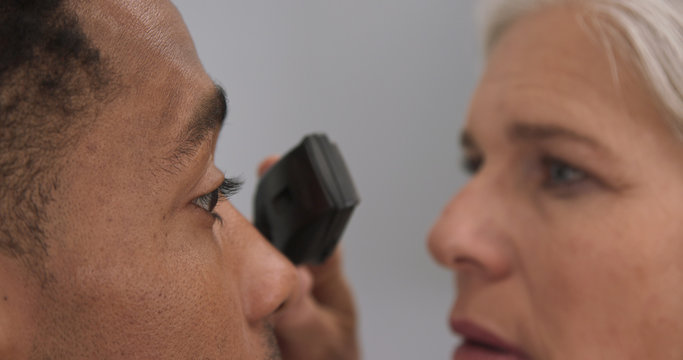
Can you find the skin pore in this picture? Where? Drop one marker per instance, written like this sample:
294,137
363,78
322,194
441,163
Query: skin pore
567,241
137,269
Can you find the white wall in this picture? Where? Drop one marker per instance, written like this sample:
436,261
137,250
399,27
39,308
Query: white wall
389,81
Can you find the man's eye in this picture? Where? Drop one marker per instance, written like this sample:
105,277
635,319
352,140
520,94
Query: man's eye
558,173
207,202
228,188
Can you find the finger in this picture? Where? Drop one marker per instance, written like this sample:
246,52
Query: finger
305,286
300,309
319,322
330,287
267,163
308,331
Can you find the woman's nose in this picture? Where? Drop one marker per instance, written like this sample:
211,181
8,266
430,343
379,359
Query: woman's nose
469,236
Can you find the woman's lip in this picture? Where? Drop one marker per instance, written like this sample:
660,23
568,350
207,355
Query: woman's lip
473,333
469,351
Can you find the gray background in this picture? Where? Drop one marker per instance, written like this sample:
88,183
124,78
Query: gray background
389,82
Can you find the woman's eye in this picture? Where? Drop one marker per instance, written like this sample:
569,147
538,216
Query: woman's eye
558,173
208,202
472,164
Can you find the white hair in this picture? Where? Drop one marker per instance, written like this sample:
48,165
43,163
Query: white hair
648,32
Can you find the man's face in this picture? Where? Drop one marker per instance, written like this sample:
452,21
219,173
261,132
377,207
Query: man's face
138,269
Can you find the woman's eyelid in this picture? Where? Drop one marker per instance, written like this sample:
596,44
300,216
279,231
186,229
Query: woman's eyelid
472,157
608,179
552,165
573,161
473,161
596,169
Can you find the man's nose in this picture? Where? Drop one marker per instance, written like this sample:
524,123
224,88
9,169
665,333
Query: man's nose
469,236
267,278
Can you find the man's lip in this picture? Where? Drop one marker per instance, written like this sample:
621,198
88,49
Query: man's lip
473,333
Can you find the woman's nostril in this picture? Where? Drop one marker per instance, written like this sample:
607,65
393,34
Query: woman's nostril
282,306
461,261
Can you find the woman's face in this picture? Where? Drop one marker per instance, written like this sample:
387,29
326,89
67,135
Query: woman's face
567,242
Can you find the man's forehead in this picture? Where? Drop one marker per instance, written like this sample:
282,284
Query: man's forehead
150,49
137,31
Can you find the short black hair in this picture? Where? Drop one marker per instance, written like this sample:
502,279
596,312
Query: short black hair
51,77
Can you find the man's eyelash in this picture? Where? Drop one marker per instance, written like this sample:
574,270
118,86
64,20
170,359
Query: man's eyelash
228,188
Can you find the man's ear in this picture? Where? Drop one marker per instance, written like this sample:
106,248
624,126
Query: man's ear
17,309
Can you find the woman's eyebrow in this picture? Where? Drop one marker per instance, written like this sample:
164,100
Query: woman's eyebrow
207,119
520,131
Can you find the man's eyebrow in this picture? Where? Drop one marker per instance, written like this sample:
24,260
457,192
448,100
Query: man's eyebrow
207,119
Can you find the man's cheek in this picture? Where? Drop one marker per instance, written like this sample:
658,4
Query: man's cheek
176,303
